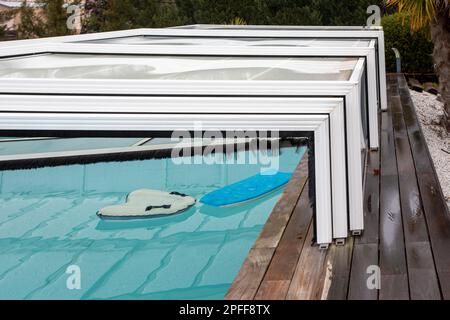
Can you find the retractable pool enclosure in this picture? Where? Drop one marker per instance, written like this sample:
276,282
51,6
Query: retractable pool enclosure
318,124
116,83
322,32
305,36
153,41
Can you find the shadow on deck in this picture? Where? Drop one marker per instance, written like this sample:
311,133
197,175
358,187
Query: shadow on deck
407,231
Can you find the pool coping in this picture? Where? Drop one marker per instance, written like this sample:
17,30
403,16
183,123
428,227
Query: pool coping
135,152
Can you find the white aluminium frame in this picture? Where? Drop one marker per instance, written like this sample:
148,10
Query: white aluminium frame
76,44
205,26
12,86
249,31
323,116
350,90
335,32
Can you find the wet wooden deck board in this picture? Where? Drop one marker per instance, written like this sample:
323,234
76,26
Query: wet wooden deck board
277,222
309,283
253,271
434,206
340,262
365,252
275,284
423,283
407,230
392,247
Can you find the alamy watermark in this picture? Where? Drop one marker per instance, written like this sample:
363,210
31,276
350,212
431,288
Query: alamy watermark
74,19
375,16
73,281
230,147
374,279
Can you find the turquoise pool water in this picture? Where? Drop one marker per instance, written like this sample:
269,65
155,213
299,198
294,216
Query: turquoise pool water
48,222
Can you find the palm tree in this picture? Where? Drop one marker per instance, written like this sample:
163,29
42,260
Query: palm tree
237,21
436,14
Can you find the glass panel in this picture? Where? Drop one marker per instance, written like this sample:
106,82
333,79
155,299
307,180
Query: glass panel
208,41
85,66
160,141
59,145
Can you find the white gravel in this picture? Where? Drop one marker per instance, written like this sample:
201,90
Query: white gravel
430,111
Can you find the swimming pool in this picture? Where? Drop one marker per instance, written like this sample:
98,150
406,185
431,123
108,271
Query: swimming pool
48,222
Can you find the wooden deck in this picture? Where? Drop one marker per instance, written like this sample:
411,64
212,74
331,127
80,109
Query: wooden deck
407,231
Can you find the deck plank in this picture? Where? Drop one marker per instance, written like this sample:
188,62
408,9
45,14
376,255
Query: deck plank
371,200
273,290
364,256
340,260
423,163
288,251
365,252
392,246
394,287
434,206
312,277
423,283
291,244
278,220
251,274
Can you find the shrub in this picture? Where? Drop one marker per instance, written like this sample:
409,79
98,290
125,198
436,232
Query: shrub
4,17
415,48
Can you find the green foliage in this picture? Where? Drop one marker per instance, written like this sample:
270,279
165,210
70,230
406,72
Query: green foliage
168,15
52,22
279,12
31,26
294,12
345,13
219,12
4,17
421,12
123,14
129,14
55,18
94,18
2,28
415,48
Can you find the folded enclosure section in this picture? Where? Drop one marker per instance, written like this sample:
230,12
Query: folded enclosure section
330,32
232,45
229,78
327,173
181,75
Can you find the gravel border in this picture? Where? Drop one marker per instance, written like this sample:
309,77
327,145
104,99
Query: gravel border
429,112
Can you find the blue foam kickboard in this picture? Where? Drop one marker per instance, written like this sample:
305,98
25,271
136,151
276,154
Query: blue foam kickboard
246,190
